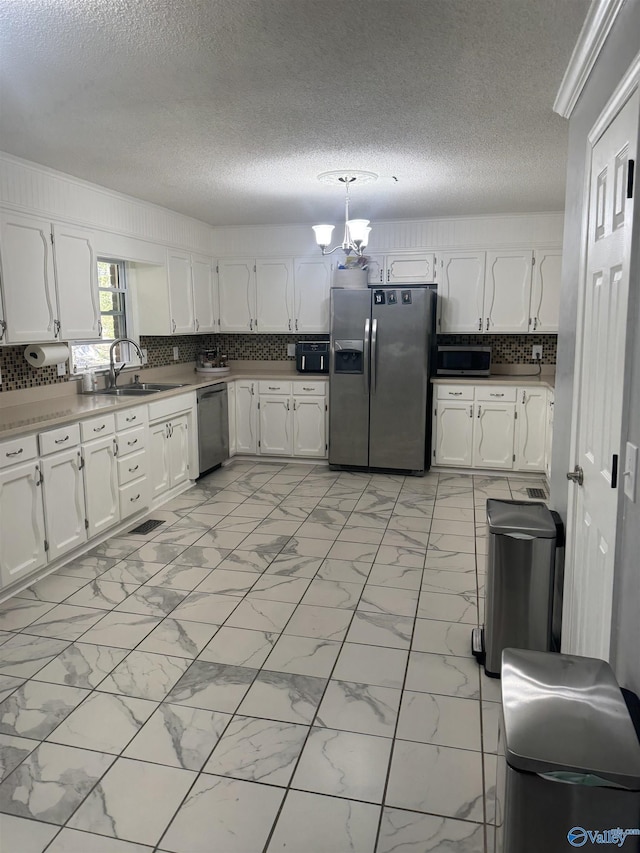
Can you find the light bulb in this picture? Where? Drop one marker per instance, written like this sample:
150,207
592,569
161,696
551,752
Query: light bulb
323,234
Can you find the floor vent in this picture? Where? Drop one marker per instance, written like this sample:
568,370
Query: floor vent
537,493
147,526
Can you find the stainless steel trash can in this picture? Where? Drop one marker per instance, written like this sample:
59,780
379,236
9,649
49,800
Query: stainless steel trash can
523,536
568,757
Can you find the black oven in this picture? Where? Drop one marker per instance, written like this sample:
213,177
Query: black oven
464,361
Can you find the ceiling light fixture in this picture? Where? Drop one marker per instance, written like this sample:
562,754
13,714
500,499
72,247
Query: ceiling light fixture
356,231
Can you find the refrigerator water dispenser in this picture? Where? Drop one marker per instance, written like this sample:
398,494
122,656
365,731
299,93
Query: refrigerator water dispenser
349,357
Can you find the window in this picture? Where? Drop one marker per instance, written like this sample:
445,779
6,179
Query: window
114,310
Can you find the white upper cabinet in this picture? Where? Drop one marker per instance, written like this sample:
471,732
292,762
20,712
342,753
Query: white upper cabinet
404,268
507,291
205,294
237,284
312,289
180,292
28,279
76,283
545,290
461,292
274,295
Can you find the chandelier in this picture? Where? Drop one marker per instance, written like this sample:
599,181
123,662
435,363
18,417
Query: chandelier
356,231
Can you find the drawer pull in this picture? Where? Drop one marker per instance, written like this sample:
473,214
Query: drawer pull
135,468
15,452
495,394
131,443
273,388
100,428
455,393
306,388
133,500
61,440
131,418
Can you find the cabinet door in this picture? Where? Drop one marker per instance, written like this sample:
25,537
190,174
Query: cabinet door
274,295
309,435
159,473
28,280
205,294
179,450
231,392
312,289
275,425
21,523
453,432
180,293
549,434
545,290
461,292
411,269
507,291
375,269
246,418
101,485
76,283
64,510
531,429
237,286
493,435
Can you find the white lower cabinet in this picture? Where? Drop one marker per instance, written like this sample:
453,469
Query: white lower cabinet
246,417
493,435
133,481
549,436
309,427
101,484
64,510
276,425
453,432
22,534
178,450
293,419
169,462
532,408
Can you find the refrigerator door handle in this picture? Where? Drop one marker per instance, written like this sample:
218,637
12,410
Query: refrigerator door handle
365,354
374,354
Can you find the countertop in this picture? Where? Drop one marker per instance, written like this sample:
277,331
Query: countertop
23,412
521,380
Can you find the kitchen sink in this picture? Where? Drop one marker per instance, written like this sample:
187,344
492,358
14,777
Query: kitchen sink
128,392
154,386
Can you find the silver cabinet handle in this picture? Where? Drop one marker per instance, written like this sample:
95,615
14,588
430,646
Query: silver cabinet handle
479,324
131,443
470,411
306,388
173,325
137,498
252,389
15,452
495,394
455,393
197,325
115,446
287,405
56,328
250,325
273,388
80,461
487,324
289,324
100,428
38,476
131,418
535,323
296,324
3,329
479,410
524,396
389,275
61,440
135,468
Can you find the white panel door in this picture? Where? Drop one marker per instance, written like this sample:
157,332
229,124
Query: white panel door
545,290
309,435
101,485
312,289
274,294
246,418
276,433
76,283
410,269
180,293
507,291
237,287
454,432
178,449
592,523
28,279
159,472
205,294
493,435
461,292
231,398
21,523
531,429
64,510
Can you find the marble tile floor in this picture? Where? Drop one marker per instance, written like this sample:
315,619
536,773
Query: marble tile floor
283,665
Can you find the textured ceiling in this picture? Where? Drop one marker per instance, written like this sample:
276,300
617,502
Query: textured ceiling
227,110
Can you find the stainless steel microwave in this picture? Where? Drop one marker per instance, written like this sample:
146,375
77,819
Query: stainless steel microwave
464,361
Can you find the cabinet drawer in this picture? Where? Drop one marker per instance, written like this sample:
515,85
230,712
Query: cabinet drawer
132,467
59,439
166,409
18,450
274,387
318,389
496,393
97,427
131,440
454,392
131,417
134,497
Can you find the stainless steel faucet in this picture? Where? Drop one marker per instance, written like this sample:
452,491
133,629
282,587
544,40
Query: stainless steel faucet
114,371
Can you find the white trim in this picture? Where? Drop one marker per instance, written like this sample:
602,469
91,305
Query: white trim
600,18
616,102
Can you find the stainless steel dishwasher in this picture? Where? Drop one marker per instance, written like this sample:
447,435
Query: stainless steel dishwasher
213,426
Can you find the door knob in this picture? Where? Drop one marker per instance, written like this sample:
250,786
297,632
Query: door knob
577,475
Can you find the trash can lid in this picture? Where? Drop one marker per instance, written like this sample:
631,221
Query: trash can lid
531,518
564,713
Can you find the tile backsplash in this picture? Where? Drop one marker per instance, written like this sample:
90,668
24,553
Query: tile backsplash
17,373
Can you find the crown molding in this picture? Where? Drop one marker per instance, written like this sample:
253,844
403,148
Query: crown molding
600,18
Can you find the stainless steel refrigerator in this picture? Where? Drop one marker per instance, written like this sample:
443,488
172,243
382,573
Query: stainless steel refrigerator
379,392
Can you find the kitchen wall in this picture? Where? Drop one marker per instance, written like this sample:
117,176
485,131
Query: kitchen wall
619,51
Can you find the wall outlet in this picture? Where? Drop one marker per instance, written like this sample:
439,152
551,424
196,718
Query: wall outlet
536,352
176,354
291,350
62,369
145,358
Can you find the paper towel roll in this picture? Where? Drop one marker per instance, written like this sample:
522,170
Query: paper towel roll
42,356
